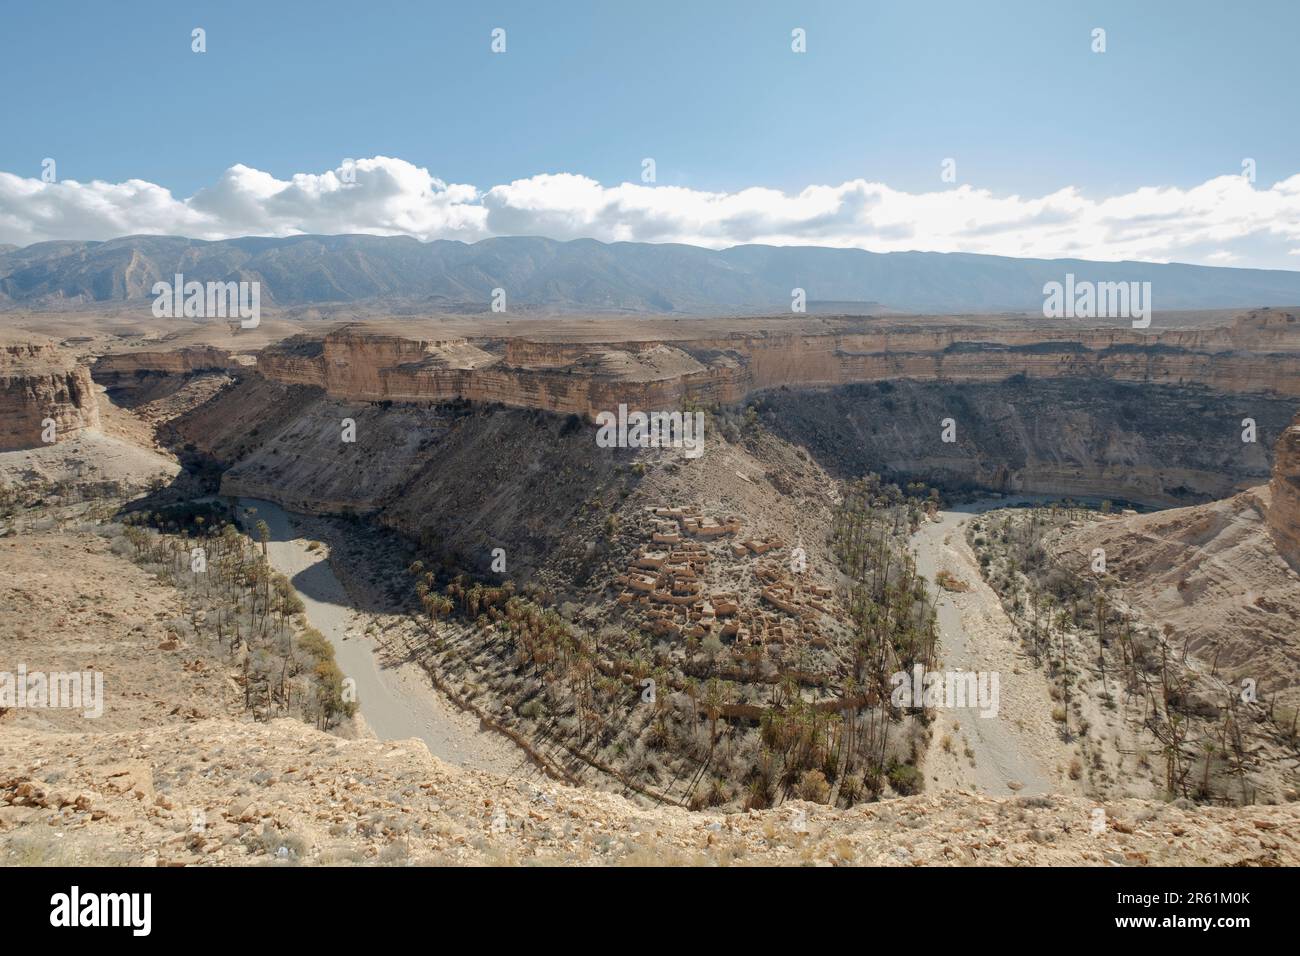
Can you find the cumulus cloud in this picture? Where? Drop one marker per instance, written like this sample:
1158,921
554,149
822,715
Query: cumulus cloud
1223,220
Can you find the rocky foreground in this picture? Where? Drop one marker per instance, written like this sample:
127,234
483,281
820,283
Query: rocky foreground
220,791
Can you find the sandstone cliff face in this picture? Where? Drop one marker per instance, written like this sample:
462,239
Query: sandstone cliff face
1258,354
119,368
1155,444
40,383
353,365
1108,413
1284,490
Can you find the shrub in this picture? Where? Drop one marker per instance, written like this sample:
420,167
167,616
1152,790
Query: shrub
906,779
813,787
950,582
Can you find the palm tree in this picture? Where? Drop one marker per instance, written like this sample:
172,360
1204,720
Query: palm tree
713,709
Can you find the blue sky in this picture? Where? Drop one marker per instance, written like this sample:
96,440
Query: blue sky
1011,90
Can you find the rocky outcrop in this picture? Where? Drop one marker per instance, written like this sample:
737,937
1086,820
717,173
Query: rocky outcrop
140,378
264,788
1211,575
1156,444
174,772
119,368
40,387
1105,413
1259,353
1284,492
1223,578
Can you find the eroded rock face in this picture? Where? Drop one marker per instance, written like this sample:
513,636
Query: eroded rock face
40,385
1258,353
1212,577
1082,437
1106,413
1142,433
1284,490
125,369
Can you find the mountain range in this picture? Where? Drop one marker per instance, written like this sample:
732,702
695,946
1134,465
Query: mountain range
587,275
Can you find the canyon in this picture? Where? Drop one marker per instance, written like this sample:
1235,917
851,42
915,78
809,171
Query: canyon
1152,417
469,441
1067,410
1221,577
1259,352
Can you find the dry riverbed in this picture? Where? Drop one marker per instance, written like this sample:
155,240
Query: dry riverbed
396,699
1017,749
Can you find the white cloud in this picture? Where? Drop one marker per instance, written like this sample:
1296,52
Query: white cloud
1223,220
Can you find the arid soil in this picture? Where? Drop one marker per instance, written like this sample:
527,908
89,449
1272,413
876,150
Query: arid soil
1016,749
68,602
1145,713
1214,579
219,792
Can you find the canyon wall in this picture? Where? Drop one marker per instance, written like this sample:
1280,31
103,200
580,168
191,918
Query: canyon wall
1284,493
1222,578
1152,418
1259,353
119,368
1149,443
38,382
354,365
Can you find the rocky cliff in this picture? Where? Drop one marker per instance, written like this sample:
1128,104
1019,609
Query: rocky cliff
1083,437
1098,414
1259,353
121,368
1284,491
41,384
1222,577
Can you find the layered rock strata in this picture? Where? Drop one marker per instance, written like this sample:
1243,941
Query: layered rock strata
43,393
1284,493
1258,353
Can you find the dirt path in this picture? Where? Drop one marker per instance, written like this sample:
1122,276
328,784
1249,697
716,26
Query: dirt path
1017,750
397,703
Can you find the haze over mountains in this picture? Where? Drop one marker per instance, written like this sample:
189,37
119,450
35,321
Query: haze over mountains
587,275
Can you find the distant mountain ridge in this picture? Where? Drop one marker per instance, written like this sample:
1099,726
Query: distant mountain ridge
587,275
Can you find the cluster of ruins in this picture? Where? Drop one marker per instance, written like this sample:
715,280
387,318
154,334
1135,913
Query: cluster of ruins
667,584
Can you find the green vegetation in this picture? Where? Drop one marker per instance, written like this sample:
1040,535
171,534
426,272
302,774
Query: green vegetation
253,614
729,724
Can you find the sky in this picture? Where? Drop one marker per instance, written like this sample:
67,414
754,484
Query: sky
1055,148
